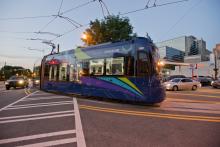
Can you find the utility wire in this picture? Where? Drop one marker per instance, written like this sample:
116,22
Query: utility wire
79,6
102,9
103,4
158,5
101,1
48,23
67,32
182,17
73,22
47,33
13,57
60,7
147,4
22,18
16,32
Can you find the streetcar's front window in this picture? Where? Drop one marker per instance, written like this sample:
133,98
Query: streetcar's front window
156,59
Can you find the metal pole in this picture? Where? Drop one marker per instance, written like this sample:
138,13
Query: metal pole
215,61
4,70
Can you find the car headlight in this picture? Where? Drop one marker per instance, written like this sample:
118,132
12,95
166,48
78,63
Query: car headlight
37,81
6,83
21,82
212,82
168,85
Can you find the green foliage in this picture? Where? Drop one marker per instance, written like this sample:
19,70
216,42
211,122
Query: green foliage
8,71
112,28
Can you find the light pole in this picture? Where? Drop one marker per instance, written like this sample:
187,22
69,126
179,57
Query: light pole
215,62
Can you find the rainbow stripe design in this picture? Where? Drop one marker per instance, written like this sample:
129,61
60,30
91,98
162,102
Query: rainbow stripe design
124,83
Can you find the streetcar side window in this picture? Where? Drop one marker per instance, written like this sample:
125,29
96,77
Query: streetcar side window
96,67
115,66
84,71
63,72
73,73
52,73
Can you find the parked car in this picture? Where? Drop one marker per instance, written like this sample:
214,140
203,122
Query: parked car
205,81
216,83
173,77
16,81
182,84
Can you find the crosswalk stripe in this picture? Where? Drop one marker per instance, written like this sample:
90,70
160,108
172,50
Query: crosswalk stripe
43,135
35,118
34,115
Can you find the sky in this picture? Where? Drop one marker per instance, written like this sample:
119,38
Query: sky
200,18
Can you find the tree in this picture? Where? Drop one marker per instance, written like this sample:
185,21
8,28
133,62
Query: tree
8,71
112,28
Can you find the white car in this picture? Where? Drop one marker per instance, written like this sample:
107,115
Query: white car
182,84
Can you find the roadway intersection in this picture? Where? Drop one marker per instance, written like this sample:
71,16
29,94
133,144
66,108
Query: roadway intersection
29,117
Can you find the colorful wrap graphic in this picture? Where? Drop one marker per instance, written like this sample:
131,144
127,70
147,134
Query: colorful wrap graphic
124,83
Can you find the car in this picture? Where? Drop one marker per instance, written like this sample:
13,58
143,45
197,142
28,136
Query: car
16,81
182,84
173,77
205,81
216,83
36,82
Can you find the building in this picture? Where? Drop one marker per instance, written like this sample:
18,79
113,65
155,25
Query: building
194,49
171,54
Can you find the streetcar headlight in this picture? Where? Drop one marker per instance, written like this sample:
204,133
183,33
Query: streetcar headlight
20,81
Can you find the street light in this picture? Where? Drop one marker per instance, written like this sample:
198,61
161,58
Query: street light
84,36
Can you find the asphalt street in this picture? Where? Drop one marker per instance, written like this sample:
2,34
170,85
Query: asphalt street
29,117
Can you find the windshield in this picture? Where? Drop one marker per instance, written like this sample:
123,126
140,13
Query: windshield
175,80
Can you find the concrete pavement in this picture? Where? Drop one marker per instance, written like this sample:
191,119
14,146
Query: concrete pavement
185,118
41,119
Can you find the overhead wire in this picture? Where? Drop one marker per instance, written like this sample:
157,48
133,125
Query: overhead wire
182,17
106,8
27,17
147,4
79,6
60,7
156,5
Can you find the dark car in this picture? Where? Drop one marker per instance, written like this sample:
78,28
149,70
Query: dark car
216,84
173,77
16,81
205,81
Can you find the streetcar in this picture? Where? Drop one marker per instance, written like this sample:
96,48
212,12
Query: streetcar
125,70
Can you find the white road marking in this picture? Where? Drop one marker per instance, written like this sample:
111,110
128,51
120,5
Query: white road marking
45,94
51,143
190,107
44,135
35,118
79,131
40,104
17,101
44,98
34,115
11,108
